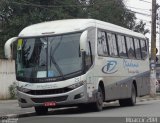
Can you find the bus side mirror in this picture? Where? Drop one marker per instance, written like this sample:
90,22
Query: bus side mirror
83,41
7,48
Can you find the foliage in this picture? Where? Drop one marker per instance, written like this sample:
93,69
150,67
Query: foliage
113,11
140,27
17,14
12,91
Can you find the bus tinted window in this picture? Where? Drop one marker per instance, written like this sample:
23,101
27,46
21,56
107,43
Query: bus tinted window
121,46
130,47
137,48
112,44
88,57
143,49
102,44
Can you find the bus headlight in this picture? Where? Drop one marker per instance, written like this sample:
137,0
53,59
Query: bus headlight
76,85
25,90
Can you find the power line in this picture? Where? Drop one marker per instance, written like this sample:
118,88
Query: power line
139,13
144,20
148,25
145,1
51,6
138,8
44,6
26,2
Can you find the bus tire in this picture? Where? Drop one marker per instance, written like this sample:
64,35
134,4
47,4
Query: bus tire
41,110
131,101
98,105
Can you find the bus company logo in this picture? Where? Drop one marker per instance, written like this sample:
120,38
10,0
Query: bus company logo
110,67
130,64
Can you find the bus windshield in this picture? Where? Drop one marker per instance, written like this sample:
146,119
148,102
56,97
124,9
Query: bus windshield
52,56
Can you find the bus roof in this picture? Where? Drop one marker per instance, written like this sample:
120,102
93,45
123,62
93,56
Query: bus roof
72,25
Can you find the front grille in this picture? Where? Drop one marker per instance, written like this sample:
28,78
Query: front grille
39,80
55,99
49,92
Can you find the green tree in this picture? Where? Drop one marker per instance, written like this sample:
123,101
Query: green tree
113,11
17,14
140,27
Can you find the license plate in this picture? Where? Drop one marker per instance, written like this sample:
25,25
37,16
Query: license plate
49,104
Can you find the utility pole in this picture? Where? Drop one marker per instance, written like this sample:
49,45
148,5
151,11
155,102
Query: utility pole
153,51
159,35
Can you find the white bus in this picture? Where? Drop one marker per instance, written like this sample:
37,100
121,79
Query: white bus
82,62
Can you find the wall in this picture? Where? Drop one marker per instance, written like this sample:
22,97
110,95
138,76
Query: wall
158,56
7,77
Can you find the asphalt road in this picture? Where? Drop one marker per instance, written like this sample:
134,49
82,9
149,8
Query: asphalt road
111,112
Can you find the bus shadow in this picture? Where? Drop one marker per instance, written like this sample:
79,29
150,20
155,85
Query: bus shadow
69,111
75,110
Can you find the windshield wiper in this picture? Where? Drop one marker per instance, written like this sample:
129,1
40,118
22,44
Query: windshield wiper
57,66
53,59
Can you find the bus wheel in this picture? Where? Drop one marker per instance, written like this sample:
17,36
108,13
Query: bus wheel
41,110
131,101
98,105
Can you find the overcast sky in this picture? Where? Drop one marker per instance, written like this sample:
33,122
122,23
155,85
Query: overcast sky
144,7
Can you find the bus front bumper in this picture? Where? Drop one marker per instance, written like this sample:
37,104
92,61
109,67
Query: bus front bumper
74,97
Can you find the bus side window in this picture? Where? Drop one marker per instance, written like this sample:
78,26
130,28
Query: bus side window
122,46
143,48
130,48
137,48
102,44
112,44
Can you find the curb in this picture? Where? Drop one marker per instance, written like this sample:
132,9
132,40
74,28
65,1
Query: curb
9,118
15,116
149,98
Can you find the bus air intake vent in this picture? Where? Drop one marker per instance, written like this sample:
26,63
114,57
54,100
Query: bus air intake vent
49,92
56,99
